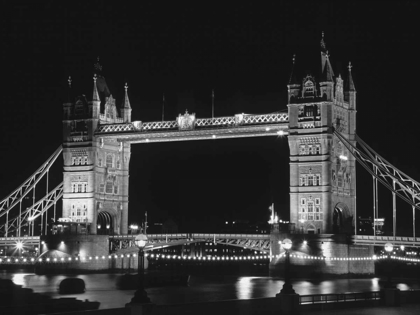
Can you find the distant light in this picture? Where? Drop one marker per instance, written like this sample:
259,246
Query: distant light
147,140
227,222
19,245
280,133
305,242
343,157
267,129
62,242
107,226
30,218
214,136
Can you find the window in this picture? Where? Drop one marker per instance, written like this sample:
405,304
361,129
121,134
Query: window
310,206
118,163
310,180
109,161
109,188
317,201
318,149
100,162
73,160
303,201
340,180
115,189
311,151
306,150
85,160
318,179
101,188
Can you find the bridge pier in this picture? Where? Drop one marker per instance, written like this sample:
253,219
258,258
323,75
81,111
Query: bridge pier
315,255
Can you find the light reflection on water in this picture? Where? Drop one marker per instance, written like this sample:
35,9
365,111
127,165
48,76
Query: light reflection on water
102,288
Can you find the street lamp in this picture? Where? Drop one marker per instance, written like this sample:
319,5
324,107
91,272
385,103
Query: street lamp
140,297
287,286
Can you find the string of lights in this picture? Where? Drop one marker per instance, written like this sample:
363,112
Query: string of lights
204,258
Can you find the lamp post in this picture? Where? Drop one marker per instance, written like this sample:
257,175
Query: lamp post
287,286
140,297
389,248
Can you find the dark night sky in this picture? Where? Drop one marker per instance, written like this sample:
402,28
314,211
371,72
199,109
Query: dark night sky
244,52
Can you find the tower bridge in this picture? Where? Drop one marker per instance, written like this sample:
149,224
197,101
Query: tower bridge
319,122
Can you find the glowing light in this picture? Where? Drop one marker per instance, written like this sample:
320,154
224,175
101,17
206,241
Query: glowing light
343,157
267,129
147,140
402,247
280,133
19,245
31,218
62,242
389,247
214,136
305,242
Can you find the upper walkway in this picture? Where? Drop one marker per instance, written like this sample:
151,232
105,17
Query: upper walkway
188,127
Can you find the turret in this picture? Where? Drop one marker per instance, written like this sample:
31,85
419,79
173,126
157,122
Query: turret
67,106
125,107
326,83
96,101
350,90
293,87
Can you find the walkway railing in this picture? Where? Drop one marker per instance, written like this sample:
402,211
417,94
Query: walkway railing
339,297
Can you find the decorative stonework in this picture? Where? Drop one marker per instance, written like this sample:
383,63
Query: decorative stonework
186,121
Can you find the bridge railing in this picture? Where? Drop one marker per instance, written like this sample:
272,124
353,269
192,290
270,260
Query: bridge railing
339,297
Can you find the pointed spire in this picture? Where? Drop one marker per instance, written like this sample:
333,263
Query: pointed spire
126,102
292,79
97,68
327,72
95,96
349,86
69,93
323,46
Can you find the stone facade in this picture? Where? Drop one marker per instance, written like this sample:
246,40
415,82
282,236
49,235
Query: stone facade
322,171
95,171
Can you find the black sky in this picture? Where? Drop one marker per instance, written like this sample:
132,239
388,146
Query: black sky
243,51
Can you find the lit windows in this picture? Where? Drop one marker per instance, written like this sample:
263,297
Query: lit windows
79,187
310,209
310,180
78,212
310,149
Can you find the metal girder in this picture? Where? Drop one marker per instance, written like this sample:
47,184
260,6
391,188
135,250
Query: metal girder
405,187
31,213
16,196
382,240
260,242
241,125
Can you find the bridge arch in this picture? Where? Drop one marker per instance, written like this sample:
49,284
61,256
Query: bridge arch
105,223
342,219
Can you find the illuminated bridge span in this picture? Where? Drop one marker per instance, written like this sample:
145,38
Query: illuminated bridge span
258,242
187,127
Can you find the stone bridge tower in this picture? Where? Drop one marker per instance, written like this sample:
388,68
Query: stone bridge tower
322,171
95,170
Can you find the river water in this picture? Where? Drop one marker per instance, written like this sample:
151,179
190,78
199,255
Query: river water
102,288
